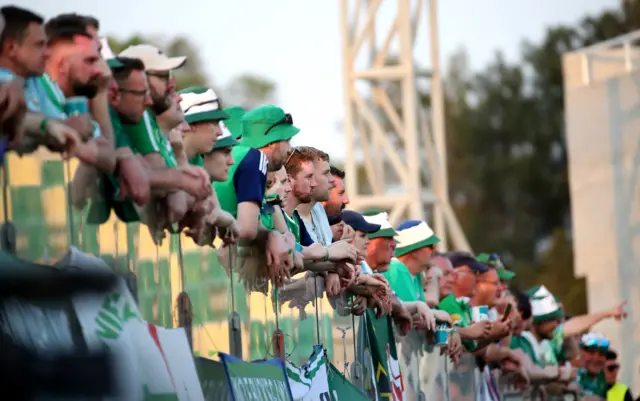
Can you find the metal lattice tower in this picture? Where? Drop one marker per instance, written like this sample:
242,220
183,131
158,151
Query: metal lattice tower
399,143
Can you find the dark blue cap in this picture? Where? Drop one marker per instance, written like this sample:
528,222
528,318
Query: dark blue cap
358,223
459,259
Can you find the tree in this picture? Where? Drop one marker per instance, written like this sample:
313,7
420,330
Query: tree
250,91
191,74
507,154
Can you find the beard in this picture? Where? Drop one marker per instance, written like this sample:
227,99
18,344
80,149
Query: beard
160,103
300,196
88,90
334,208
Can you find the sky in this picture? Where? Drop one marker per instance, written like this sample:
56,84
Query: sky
297,43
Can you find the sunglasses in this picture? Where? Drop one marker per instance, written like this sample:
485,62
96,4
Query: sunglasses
141,93
286,120
291,152
613,368
494,261
165,76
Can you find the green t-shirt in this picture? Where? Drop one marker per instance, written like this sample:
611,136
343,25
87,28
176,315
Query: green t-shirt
147,137
293,226
226,190
100,209
546,351
197,160
406,286
460,313
519,342
592,385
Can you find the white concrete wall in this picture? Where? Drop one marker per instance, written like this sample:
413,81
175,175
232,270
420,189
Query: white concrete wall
603,139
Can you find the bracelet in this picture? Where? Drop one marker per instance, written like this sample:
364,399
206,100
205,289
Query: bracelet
43,125
326,256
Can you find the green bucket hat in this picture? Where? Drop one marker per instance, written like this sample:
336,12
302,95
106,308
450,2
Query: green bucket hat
379,217
544,306
493,260
413,235
234,122
226,139
265,125
201,104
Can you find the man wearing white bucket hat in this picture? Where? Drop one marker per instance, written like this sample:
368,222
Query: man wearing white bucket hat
415,245
545,340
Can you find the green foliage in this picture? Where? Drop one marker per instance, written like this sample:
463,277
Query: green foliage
249,91
191,74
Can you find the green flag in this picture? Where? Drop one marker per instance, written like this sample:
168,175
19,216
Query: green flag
380,344
341,388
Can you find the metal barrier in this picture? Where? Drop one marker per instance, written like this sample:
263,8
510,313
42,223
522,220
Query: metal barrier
46,227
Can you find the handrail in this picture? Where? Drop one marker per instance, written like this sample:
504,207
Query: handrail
595,52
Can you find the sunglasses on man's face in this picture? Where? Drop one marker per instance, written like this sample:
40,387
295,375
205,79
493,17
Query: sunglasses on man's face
613,368
165,76
286,120
291,152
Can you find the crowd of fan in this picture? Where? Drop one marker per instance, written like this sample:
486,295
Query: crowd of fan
177,161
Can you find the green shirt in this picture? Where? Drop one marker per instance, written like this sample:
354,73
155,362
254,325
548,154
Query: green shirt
197,160
545,351
592,385
226,190
147,138
125,209
99,209
521,343
406,286
293,226
460,313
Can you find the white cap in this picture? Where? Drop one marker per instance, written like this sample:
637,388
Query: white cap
153,58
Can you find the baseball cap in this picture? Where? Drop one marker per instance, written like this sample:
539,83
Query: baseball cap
108,55
356,221
493,260
459,259
153,58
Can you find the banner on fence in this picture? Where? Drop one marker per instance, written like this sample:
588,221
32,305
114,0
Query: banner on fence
380,344
256,381
309,382
342,389
150,362
213,380
174,346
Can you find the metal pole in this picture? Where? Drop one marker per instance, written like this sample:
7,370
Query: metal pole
437,118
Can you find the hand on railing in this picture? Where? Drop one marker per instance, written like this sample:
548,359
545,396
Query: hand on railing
424,318
454,348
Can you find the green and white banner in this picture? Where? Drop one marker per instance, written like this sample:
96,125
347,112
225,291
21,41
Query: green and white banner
151,363
256,381
309,382
213,380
